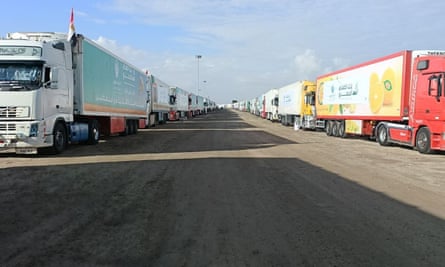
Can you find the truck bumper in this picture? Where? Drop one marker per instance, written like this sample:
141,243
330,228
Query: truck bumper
23,137
18,147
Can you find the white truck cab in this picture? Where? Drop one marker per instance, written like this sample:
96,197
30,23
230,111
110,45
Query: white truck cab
36,90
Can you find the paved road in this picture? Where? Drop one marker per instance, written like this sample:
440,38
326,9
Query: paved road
221,190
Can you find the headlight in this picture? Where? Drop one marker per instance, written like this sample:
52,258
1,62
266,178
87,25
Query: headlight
29,130
34,130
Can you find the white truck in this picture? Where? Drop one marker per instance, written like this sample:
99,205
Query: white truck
160,101
179,103
290,108
54,92
271,105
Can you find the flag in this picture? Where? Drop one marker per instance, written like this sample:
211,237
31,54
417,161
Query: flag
71,29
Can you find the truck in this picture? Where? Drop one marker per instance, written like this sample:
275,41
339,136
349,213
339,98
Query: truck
200,105
270,105
197,105
209,105
179,101
396,99
257,105
290,108
160,101
193,105
54,92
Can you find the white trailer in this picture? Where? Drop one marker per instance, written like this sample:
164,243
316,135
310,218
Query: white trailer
271,105
160,101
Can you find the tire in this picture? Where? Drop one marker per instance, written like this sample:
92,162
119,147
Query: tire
423,140
59,138
335,128
341,129
130,127
126,130
328,128
382,135
136,126
133,126
93,132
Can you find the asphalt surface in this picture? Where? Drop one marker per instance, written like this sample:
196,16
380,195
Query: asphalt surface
224,189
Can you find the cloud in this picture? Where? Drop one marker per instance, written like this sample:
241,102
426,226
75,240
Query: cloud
249,47
128,53
307,65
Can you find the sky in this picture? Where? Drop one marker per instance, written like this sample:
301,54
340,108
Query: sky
247,47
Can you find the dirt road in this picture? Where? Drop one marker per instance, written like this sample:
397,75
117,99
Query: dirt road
225,189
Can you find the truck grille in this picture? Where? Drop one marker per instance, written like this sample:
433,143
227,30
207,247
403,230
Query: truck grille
14,112
7,128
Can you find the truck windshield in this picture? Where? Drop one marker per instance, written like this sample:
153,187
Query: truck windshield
20,76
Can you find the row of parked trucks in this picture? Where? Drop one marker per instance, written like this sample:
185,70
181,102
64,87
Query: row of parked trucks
55,92
396,99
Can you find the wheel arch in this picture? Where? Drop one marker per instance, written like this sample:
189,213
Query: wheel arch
62,121
377,126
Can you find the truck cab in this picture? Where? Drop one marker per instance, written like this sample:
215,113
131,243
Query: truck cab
309,117
427,107
36,90
425,124
271,105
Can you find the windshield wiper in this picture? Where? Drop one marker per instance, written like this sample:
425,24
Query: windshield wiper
18,88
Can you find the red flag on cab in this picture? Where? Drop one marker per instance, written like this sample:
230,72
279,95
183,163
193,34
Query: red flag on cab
71,29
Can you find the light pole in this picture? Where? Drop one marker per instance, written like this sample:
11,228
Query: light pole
198,57
206,100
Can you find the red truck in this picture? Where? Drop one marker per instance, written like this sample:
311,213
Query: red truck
396,99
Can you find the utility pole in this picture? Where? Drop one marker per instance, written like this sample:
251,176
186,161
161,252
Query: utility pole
198,57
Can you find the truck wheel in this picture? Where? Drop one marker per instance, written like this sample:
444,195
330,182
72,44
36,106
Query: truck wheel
126,130
132,127
382,135
93,132
136,126
334,128
59,138
341,129
423,140
328,128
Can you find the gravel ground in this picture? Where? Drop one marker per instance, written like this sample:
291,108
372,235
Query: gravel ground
224,189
